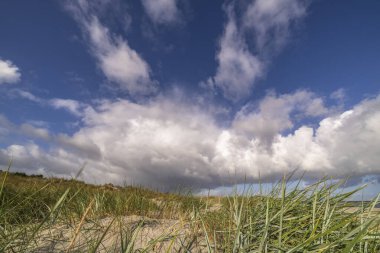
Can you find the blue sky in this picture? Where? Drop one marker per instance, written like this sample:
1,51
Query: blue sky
194,93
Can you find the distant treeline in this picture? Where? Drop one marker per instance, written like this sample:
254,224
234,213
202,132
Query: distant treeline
22,174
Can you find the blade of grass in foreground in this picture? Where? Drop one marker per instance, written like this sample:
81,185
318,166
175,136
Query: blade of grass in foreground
99,241
5,178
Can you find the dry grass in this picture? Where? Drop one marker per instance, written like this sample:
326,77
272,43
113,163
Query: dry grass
56,215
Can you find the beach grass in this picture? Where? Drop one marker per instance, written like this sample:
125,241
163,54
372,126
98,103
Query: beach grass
58,215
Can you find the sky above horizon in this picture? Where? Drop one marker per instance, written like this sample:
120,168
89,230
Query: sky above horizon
202,94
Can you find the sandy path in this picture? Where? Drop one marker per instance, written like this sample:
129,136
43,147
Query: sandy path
158,235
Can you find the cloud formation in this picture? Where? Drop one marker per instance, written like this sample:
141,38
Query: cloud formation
240,65
72,106
271,20
164,143
276,114
237,68
178,140
118,61
9,73
24,94
162,11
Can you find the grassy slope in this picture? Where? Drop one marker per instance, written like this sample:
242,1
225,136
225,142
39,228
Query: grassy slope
312,219
30,198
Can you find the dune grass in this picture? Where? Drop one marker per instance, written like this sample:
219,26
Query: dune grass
57,215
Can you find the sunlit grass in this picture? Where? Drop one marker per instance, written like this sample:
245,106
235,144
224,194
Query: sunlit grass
56,215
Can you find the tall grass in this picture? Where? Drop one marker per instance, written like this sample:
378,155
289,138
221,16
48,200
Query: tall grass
56,215
312,219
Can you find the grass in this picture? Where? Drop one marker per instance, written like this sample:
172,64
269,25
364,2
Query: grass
56,215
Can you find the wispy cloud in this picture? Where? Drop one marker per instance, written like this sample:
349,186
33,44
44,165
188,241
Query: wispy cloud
239,67
72,106
24,94
9,73
270,22
162,11
118,61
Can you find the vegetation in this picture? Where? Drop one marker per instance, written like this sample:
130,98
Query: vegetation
56,215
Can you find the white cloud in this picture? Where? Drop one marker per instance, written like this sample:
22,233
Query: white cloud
164,143
9,73
70,105
339,94
5,127
275,114
33,131
239,67
352,138
25,94
271,21
339,97
162,11
31,158
26,129
118,61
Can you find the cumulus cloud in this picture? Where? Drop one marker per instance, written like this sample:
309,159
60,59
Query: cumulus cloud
240,65
275,114
9,73
31,158
164,144
162,11
352,138
118,61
